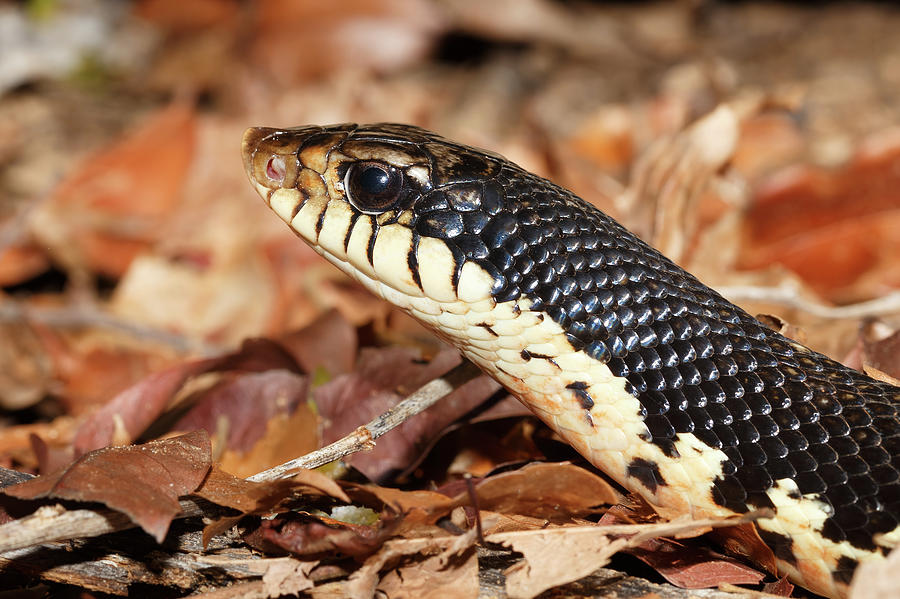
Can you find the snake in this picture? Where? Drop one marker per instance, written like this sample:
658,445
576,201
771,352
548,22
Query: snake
671,390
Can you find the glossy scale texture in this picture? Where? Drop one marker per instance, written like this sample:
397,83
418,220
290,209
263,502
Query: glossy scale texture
696,363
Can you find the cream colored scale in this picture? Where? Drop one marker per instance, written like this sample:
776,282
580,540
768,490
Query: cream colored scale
611,434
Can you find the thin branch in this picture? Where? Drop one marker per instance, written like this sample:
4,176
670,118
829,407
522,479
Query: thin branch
787,296
363,438
74,317
55,523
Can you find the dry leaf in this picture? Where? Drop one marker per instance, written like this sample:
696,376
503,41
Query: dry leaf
135,408
363,582
114,205
554,557
249,497
382,377
544,490
877,579
837,229
142,481
437,577
286,436
559,555
288,577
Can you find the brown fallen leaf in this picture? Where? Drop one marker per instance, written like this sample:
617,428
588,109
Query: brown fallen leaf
223,488
142,481
381,378
559,555
131,411
685,566
440,576
193,17
298,40
781,587
89,371
308,536
363,583
780,325
245,404
554,557
288,577
326,347
249,497
415,506
544,490
21,262
881,348
837,229
286,436
690,567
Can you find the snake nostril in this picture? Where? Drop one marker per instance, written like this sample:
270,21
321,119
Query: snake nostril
275,168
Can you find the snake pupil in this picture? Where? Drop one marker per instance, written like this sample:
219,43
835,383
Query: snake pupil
373,187
374,180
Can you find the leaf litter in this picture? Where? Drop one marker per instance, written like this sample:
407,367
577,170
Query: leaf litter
126,289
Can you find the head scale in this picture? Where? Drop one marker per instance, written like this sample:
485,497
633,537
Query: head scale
397,207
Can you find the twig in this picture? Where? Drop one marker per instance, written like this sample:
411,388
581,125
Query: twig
73,317
786,296
363,438
56,523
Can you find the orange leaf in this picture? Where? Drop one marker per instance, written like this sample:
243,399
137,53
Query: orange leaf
113,206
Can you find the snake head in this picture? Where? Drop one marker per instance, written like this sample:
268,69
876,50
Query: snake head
401,209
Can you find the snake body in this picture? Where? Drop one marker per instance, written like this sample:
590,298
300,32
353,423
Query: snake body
660,382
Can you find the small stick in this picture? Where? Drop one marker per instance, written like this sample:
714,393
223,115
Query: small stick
363,438
55,523
786,296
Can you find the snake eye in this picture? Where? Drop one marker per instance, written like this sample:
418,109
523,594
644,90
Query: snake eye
373,187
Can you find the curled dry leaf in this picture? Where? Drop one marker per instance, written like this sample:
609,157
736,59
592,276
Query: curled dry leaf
781,587
142,481
288,577
249,497
559,555
437,577
309,536
691,567
415,506
554,557
454,553
544,490
780,325
881,348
